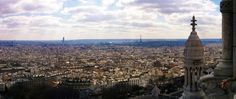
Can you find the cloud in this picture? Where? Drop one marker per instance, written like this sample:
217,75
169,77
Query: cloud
31,21
108,18
9,7
6,6
89,14
171,6
178,14
108,2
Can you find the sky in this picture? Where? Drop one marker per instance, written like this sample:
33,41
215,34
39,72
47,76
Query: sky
107,19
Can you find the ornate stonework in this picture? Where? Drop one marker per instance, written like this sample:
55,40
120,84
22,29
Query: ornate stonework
226,6
221,84
193,59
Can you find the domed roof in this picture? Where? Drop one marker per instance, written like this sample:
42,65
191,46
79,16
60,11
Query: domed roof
193,40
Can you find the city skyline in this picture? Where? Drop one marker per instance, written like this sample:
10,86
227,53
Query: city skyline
107,19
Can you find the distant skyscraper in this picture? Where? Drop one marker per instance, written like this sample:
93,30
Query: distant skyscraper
193,60
140,39
63,41
12,43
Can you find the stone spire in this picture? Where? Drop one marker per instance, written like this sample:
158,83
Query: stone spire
193,60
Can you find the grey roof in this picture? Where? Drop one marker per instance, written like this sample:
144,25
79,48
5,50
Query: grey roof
193,40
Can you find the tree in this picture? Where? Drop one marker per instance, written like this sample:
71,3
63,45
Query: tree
157,64
122,91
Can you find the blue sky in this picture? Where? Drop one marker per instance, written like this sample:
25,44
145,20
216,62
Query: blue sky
216,1
107,19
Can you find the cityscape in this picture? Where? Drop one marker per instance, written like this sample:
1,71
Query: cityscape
117,49
61,64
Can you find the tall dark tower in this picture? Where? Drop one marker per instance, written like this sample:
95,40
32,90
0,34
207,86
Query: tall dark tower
140,39
60,53
12,43
194,62
63,41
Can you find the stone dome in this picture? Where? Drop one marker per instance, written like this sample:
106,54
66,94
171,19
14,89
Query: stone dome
193,40
193,47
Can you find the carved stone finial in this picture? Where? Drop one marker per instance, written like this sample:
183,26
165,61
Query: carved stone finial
193,23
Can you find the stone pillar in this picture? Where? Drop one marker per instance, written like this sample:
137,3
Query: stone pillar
225,67
234,38
185,76
222,84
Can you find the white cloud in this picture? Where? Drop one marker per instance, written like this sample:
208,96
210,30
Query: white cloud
110,18
31,21
88,2
13,7
108,2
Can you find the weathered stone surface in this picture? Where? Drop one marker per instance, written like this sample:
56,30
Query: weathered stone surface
234,38
234,62
194,61
226,6
225,67
222,83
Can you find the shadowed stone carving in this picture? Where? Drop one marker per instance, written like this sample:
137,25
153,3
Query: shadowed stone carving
221,84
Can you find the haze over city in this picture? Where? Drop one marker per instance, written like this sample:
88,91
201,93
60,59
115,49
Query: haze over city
107,19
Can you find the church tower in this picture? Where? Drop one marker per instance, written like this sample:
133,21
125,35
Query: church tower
194,61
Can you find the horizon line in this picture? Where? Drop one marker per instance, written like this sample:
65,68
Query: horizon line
103,39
